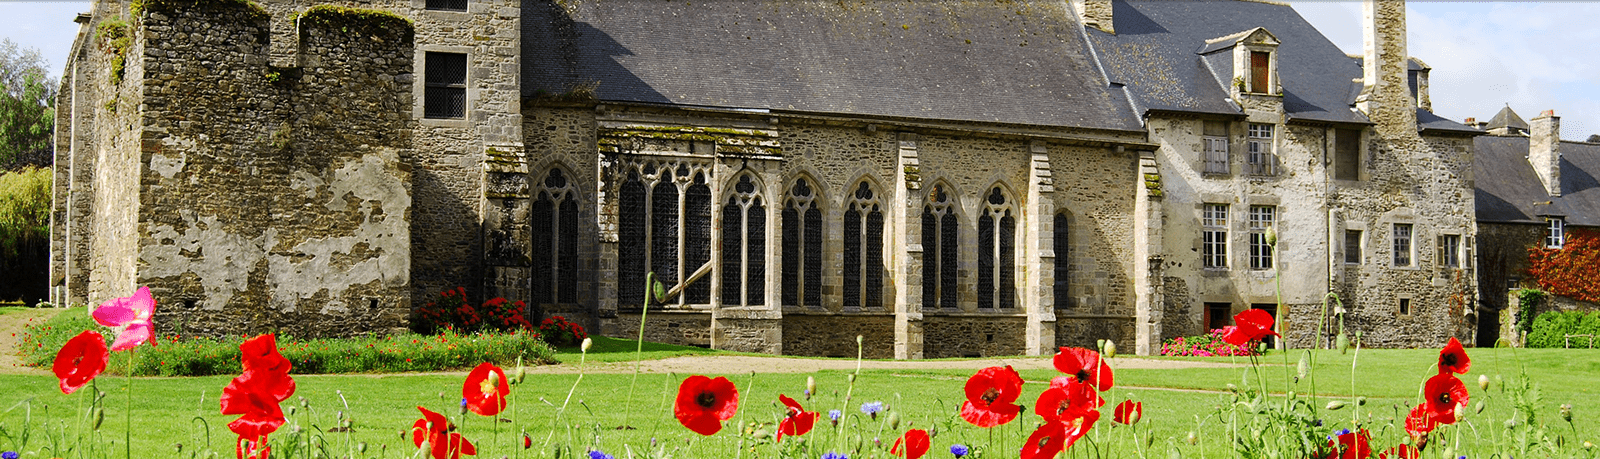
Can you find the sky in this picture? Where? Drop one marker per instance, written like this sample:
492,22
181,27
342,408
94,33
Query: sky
1534,56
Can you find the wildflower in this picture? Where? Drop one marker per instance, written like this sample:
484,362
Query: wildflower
912,445
1444,393
247,449
703,403
1067,399
1401,452
1453,359
256,393
485,389
1253,324
1085,365
80,360
260,355
797,421
527,441
433,430
1347,445
133,314
833,455
1046,442
959,450
1128,412
9,455
834,415
600,455
991,397
872,409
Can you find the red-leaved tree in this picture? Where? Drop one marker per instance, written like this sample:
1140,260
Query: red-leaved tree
1570,270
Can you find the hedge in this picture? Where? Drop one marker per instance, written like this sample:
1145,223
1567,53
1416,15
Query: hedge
1550,329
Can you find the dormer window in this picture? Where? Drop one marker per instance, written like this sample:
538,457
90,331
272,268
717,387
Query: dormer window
1245,60
1260,71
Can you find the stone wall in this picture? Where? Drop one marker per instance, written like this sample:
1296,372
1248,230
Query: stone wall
1085,332
973,336
835,335
683,328
120,138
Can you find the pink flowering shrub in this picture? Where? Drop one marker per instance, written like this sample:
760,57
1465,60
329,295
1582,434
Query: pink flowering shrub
1207,345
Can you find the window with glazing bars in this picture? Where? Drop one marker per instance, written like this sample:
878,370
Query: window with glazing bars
1063,250
1214,236
863,249
1260,160
1402,244
444,92
447,5
802,247
650,232
1352,247
939,248
1215,143
997,244
1261,218
1450,251
554,219
1556,236
744,236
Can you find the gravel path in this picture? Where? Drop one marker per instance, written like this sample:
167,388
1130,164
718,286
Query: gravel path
11,326
743,364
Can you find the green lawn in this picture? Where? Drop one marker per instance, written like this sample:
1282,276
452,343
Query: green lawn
622,350
165,410
12,309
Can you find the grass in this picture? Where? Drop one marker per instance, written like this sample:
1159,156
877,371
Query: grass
13,309
170,411
606,350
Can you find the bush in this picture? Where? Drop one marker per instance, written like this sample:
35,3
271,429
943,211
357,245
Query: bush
199,356
558,331
451,311
1551,328
1207,345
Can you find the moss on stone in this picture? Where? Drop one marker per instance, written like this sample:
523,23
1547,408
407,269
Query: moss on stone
115,38
358,20
138,7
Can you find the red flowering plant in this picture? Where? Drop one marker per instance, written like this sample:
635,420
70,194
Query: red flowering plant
1569,270
558,331
256,394
452,311
992,396
80,360
437,433
485,389
703,403
1210,344
912,445
796,420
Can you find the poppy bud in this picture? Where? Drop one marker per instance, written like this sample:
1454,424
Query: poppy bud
1566,412
493,380
661,292
1361,401
99,418
361,447
851,377
1302,369
1272,236
1483,382
1587,445
761,434
894,420
1335,405
291,411
811,387
1343,342
1479,407
860,340
1111,349
1192,439
587,343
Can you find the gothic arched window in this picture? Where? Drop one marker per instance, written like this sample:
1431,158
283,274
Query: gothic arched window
863,249
1063,251
939,248
744,235
555,240
997,249
802,247
664,225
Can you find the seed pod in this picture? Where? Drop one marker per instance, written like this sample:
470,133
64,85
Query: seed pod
1111,349
587,343
1343,342
894,420
1335,405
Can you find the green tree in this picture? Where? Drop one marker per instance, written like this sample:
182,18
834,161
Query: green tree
24,208
27,107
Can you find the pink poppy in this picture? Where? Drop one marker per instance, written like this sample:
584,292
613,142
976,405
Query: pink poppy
133,313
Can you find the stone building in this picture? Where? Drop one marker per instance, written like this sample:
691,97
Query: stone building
1534,187
941,178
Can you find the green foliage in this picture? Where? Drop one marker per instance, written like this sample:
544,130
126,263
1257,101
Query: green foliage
27,107
1528,301
452,312
24,208
138,7
559,331
361,21
198,356
1551,328
116,37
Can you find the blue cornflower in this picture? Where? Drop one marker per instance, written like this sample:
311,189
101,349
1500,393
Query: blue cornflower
9,455
833,455
959,450
834,415
872,408
599,455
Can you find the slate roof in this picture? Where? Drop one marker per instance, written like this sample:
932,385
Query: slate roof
1507,118
1508,190
1155,54
1023,62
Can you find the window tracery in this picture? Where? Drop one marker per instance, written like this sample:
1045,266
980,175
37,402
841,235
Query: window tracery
997,244
744,235
940,231
863,249
802,246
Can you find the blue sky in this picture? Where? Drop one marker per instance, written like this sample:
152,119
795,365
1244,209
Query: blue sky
1534,56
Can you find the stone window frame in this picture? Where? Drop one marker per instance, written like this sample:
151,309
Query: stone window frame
997,207
1061,246
864,199
436,5
743,196
941,286
1215,158
1359,249
805,289
1337,172
1403,245
1555,236
647,170
1214,235
1260,159
1405,306
1450,251
419,91
1261,254
564,249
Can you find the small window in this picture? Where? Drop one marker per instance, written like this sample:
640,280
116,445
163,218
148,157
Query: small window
1402,245
1557,236
1450,251
1347,154
1405,306
1215,143
445,93
1261,160
447,5
1214,236
1063,250
1261,218
1352,247
1260,72
1218,315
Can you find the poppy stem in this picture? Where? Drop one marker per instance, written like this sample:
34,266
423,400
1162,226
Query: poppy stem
127,434
638,351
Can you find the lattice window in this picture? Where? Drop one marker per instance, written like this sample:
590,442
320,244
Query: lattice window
997,245
1214,236
744,236
1450,251
940,231
1063,250
1261,160
447,5
1352,247
1261,219
555,240
444,92
1556,234
1402,244
802,246
664,225
863,249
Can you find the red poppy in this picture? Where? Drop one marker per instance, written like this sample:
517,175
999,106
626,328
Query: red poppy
1054,437
1401,452
248,449
1349,445
1453,359
260,412
1250,325
1084,364
1444,393
435,429
912,445
486,389
797,421
269,369
1419,423
703,403
1128,412
992,396
1067,399
80,360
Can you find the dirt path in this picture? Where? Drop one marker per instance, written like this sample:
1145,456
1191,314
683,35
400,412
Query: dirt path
742,364
11,326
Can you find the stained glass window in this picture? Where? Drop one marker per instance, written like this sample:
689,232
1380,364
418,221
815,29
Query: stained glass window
863,249
997,256
744,234
802,247
939,248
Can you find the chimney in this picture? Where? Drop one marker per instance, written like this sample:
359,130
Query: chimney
1095,13
1544,150
1386,93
